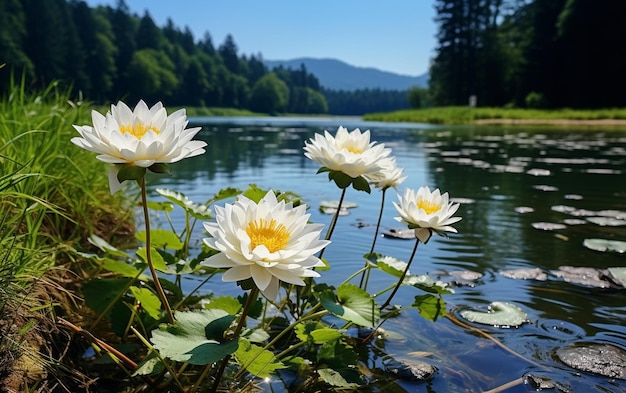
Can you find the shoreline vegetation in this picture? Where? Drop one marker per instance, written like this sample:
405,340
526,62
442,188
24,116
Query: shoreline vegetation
505,116
611,117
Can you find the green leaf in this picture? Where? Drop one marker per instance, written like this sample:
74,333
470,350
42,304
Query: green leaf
361,184
196,210
430,306
340,362
258,361
160,167
351,304
226,193
303,330
254,193
157,260
148,300
100,292
216,328
130,172
335,378
106,247
122,268
187,341
151,365
161,238
391,265
323,169
341,179
160,206
499,314
321,336
226,303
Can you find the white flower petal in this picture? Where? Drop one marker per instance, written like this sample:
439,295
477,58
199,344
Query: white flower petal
140,137
271,239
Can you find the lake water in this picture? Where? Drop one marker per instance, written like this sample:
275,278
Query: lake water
513,185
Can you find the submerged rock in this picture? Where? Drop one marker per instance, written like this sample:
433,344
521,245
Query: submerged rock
410,370
601,359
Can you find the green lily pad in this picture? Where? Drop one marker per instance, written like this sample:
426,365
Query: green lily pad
196,210
196,338
351,304
499,314
605,245
618,274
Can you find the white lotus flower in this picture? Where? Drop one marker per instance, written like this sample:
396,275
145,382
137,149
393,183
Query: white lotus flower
141,138
270,242
349,152
388,176
427,212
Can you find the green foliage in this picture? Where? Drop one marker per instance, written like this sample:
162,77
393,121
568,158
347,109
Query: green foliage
197,338
352,304
258,361
269,95
467,115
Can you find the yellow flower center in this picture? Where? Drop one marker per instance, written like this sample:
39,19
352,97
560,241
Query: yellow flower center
353,149
138,130
270,234
428,206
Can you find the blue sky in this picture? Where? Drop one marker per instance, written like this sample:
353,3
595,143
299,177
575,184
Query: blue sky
391,35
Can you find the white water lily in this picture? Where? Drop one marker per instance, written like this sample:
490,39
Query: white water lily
427,212
390,175
141,137
269,242
351,153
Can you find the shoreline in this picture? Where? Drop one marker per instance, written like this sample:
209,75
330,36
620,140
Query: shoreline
556,122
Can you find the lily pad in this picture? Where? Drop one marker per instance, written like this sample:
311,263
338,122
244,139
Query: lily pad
401,233
351,304
582,275
606,221
335,204
499,314
605,245
196,338
618,275
600,359
548,226
332,210
525,274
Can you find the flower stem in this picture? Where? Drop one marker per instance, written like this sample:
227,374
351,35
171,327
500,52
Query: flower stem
333,222
155,277
254,292
401,279
366,274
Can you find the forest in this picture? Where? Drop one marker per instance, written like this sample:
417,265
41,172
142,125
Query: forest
107,53
521,53
503,53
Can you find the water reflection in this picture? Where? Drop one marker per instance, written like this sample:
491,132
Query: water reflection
508,181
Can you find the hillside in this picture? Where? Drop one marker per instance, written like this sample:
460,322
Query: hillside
336,75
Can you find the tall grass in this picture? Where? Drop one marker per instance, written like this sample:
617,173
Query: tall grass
52,196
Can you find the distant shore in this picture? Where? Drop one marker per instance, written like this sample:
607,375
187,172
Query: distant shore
555,122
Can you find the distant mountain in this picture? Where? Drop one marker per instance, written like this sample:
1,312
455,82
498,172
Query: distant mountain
336,75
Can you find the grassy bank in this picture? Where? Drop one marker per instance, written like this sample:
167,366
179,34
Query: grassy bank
467,115
53,195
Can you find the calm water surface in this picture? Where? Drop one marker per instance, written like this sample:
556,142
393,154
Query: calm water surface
509,181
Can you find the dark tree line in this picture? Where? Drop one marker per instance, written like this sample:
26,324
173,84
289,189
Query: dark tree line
357,102
539,53
110,54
